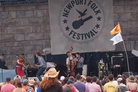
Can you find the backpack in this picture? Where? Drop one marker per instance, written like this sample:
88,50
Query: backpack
29,89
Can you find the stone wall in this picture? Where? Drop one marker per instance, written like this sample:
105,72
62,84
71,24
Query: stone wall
126,12
25,29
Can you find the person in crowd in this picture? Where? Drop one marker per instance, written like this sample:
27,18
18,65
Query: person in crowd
132,85
50,82
94,87
41,65
37,87
79,85
7,87
19,67
19,88
61,80
68,87
1,84
110,86
32,82
105,80
26,86
88,82
79,64
83,78
121,87
100,84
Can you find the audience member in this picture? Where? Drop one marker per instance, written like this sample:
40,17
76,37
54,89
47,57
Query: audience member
19,88
94,87
7,87
132,85
121,87
88,82
110,86
50,82
79,85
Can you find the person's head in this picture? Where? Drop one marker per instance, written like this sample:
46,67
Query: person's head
8,79
68,53
88,79
19,84
78,55
38,54
70,83
50,78
72,78
78,77
110,77
119,80
94,79
25,82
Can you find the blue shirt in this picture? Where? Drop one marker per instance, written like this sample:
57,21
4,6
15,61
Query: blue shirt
80,86
41,62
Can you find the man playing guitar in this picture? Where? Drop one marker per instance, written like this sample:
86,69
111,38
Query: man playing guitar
79,64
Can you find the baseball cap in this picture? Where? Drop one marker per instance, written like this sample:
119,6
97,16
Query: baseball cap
8,79
119,79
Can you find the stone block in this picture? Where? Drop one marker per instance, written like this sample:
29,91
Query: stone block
42,7
8,37
31,7
6,50
29,14
24,43
10,22
36,29
34,36
118,9
21,14
24,22
23,29
32,49
131,8
132,24
19,37
35,21
40,13
125,17
17,50
4,15
12,14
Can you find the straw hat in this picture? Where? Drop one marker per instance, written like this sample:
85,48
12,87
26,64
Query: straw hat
31,82
51,73
131,79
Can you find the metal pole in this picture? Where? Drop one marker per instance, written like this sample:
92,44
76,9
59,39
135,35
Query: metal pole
126,58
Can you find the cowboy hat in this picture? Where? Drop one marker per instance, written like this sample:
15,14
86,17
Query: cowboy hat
131,79
51,73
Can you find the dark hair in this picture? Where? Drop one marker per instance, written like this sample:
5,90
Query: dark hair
94,78
8,79
88,79
110,77
68,52
78,53
38,53
78,77
19,84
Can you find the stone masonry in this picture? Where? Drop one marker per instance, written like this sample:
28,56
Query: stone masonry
24,29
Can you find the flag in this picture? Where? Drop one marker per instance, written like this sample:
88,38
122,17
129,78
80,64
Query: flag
116,29
117,38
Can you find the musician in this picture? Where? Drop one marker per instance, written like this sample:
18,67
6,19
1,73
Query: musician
69,61
19,67
41,65
79,64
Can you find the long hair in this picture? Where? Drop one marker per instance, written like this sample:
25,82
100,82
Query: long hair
48,82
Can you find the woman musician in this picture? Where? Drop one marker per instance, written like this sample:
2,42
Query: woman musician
19,67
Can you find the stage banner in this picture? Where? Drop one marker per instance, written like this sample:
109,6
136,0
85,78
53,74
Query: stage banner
83,24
